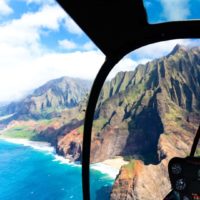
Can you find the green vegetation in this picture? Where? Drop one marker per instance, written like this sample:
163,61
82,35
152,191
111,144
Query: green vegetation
80,129
19,132
80,115
128,158
135,92
197,152
99,123
130,168
45,122
174,113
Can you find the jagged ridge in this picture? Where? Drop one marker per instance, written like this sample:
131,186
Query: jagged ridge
49,99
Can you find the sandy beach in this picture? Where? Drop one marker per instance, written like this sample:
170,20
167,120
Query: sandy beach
115,163
110,166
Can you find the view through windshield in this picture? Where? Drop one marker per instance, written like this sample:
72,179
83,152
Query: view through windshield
147,113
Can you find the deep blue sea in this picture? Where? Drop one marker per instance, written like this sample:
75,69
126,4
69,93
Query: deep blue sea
29,174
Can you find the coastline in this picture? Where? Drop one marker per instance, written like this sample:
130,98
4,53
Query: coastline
109,167
38,145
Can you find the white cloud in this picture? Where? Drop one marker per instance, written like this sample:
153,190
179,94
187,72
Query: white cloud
5,9
76,64
176,9
71,45
47,17
22,54
67,44
26,64
126,64
160,49
69,24
19,75
26,31
89,46
72,27
39,1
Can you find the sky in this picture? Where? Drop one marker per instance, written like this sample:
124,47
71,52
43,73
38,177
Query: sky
40,42
171,10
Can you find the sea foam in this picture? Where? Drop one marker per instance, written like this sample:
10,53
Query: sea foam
105,169
63,160
41,146
46,147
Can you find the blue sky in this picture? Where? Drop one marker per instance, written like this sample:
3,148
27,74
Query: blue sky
39,42
172,10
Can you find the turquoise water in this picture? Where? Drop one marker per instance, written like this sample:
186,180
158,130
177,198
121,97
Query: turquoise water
26,173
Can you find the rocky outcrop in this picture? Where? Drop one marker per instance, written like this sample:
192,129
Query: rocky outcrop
53,134
109,143
151,182
70,146
126,181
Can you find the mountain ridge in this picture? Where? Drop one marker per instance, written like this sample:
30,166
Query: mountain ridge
55,95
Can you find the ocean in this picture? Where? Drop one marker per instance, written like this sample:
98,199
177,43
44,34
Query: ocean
28,173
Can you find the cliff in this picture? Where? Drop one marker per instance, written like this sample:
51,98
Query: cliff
177,106
147,116
137,108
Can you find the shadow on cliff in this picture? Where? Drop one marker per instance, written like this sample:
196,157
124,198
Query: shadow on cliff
103,193
144,132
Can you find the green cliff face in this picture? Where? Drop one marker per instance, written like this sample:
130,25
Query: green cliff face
139,106
162,112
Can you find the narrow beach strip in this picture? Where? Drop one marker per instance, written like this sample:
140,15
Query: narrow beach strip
110,167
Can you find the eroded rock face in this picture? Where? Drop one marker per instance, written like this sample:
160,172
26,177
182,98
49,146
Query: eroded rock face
109,144
70,146
177,105
152,182
126,181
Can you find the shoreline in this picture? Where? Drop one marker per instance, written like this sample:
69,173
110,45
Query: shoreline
42,147
37,145
110,167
